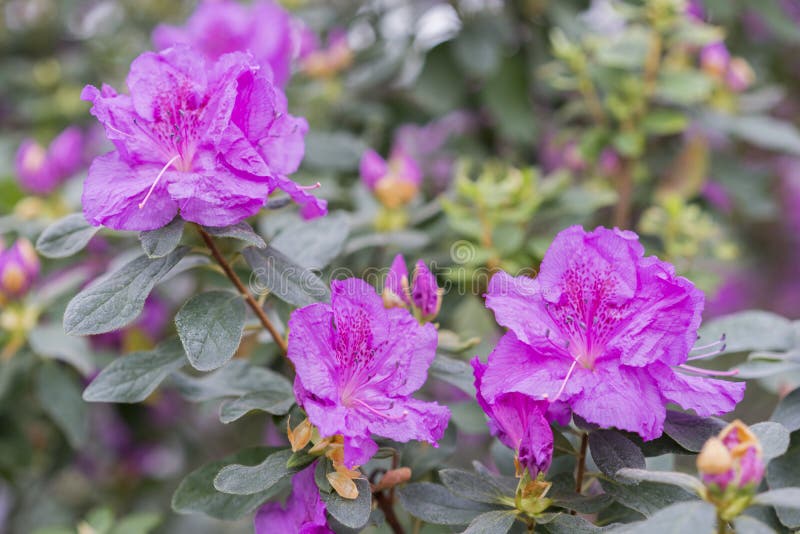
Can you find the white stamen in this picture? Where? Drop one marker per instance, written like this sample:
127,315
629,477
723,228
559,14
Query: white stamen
564,383
707,372
160,174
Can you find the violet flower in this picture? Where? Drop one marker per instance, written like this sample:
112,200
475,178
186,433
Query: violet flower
605,330
732,467
218,27
519,421
208,140
19,268
394,182
319,62
304,512
41,170
423,295
358,364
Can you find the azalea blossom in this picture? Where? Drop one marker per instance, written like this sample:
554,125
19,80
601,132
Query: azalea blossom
394,182
357,366
304,512
41,170
208,140
605,331
217,27
19,268
422,294
519,421
734,457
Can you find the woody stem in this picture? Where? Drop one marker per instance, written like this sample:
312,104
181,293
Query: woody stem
251,301
581,462
386,506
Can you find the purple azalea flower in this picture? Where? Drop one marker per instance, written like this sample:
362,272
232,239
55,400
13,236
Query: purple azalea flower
264,29
395,182
715,58
319,62
423,294
303,513
19,268
41,171
358,364
605,330
519,421
208,140
739,75
695,10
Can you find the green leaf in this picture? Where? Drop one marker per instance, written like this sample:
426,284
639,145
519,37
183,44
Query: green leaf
612,451
142,523
101,520
626,50
133,377
455,372
774,438
787,412
118,298
691,431
496,522
506,96
435,504
472,486
292,283
66,236
750,330
679,518
236,378
685,87
160,242
783,497
196,493
477,48
50,341
469,417
351,513
760,130
60,396
238,479
672,478
750,525
784,472
328,151
665,122
241,231
210,326
275,402
313,244
646,497
421,458
568,524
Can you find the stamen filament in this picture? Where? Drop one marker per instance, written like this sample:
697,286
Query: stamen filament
309,187
717,342
160,174
707,354
564,383
708,372
379,414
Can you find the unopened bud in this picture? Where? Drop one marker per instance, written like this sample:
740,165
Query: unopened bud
19,268
714,458
394,477
740,75
425,293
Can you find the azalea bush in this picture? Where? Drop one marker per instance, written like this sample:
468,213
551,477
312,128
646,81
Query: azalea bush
407,267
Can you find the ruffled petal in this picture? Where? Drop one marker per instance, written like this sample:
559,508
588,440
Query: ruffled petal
113,191
412,347
623,397
706,396
518,304
411,419
372,168
311,207
311,350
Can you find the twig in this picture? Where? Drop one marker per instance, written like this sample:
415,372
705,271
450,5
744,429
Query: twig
581,463
228,270
622,209
385,504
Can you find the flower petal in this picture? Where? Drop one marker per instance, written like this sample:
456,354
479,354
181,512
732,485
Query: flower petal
113,190
706,396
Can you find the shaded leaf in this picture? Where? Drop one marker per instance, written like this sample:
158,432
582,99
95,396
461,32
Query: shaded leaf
60,396
236,378
612,451
352,513
210,326
691,431
783,497
472,486
240,479
66,236
117,299
50,341
774,438
787,412
498,521
275,402
292,283
435,504
672,478
160,242
241,231
679,518
313,244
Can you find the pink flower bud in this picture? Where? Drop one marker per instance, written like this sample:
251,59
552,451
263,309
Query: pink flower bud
19,268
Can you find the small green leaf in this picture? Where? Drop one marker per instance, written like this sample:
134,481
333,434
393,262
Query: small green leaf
435,504
238,479
691,431
351,513
496,522
612,451
158,243
337,151
196,493
750,330
750,525
50,341
665,122
292,283
276,402
469,417
117,299
783,497
66,236
774,438
679,518
133,377
210,326
313,244
787,412
684,87
455,372
672,478
569,524
60,396
241,231
236,378
472,486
